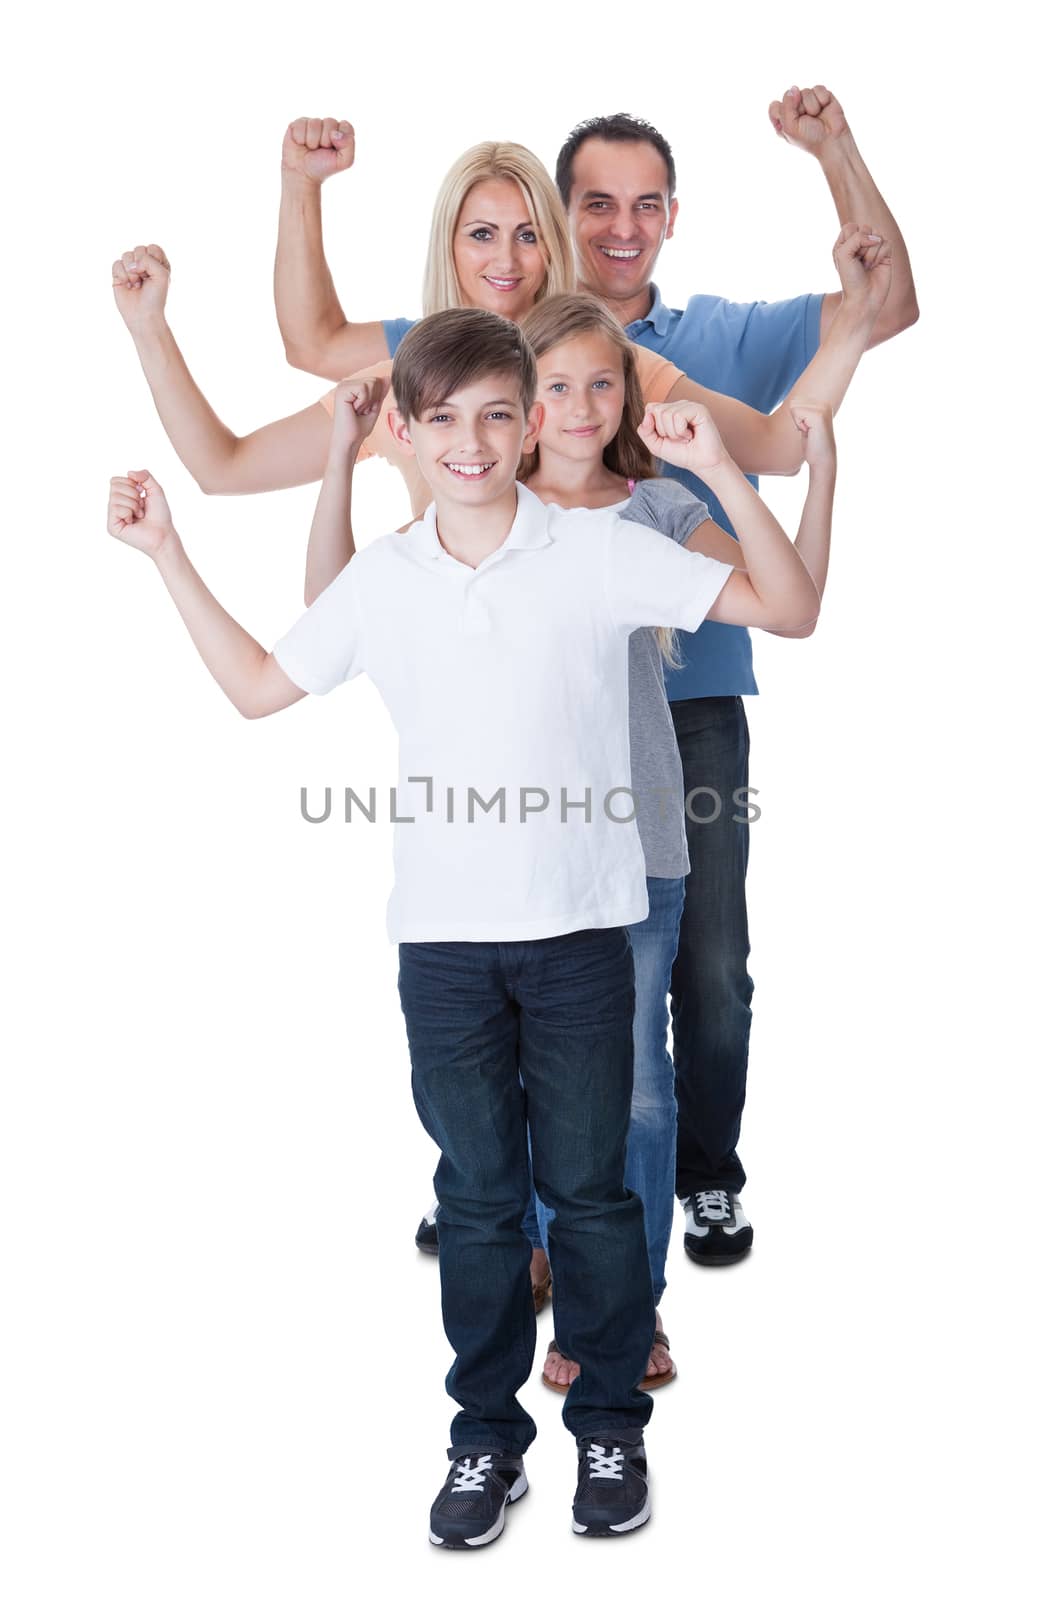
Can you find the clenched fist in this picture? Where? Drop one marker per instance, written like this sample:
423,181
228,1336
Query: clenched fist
811,119
356,408
816,423
140,283
316,147
138,512
683,433
864,264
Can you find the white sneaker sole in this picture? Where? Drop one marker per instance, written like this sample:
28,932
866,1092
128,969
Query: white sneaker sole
638,1521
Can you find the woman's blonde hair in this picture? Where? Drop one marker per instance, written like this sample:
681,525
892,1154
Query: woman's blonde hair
556,321
496,159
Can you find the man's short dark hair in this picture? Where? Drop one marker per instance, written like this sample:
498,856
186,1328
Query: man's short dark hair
619,129
451,349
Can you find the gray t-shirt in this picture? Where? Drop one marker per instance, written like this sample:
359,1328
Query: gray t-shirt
657,776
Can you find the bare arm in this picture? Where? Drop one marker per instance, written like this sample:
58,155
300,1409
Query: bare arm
317,336
248,675
813,121
282,454
775,591
356,406
813,533
772,444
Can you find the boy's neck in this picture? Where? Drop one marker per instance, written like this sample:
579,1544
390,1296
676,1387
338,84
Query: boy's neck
471,533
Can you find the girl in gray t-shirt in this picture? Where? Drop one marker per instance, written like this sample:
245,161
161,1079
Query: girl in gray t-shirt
591,455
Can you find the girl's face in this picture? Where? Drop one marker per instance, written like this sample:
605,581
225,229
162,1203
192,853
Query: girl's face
581,385
497,251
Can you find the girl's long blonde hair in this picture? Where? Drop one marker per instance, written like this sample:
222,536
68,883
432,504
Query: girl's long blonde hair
555,321
496,159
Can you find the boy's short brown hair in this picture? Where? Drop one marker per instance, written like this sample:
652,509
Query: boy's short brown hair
451,349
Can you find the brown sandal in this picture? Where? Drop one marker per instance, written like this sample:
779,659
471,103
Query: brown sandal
542,1291
557,1388
659,1380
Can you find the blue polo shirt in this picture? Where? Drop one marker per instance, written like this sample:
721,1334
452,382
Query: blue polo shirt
754,351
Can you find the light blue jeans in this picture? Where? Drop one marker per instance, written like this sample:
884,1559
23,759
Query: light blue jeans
650,1157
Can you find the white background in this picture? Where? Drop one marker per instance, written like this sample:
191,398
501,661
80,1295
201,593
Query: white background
224,1358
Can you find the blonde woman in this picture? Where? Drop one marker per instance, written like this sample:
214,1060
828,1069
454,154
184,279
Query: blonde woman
499,241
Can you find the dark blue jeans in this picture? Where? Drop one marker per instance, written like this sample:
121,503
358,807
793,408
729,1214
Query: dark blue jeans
539,1033
711,988
650,1156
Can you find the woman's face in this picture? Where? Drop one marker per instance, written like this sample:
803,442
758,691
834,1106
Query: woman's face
581,385
497,250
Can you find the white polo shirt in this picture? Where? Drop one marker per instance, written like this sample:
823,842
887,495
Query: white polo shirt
508,685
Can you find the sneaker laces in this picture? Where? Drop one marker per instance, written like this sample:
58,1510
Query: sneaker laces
468,1478
713,1205
604,1464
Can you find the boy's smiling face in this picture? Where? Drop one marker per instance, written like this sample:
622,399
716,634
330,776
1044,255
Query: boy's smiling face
468,445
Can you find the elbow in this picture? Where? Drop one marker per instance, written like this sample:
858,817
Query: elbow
313,358
787,453
800,622
810,620
228,472
896,321
794,633
907,314
298,356
246,706
252,710
211,479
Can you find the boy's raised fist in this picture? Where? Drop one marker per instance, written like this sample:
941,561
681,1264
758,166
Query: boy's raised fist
356,408
683,433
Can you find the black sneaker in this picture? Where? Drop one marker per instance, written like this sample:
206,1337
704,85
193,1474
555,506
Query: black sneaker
427,1235
717,1231
470,1508
612,1487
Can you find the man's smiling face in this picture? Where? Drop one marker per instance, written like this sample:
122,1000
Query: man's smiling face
620,215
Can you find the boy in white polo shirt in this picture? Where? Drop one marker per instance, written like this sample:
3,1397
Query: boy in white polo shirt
496,630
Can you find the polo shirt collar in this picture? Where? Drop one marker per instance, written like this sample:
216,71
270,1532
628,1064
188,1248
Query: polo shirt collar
658,316
529,531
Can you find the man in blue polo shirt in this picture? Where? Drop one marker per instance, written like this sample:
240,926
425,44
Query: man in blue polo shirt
617,179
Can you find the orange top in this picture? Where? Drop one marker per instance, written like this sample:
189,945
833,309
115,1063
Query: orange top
657,378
